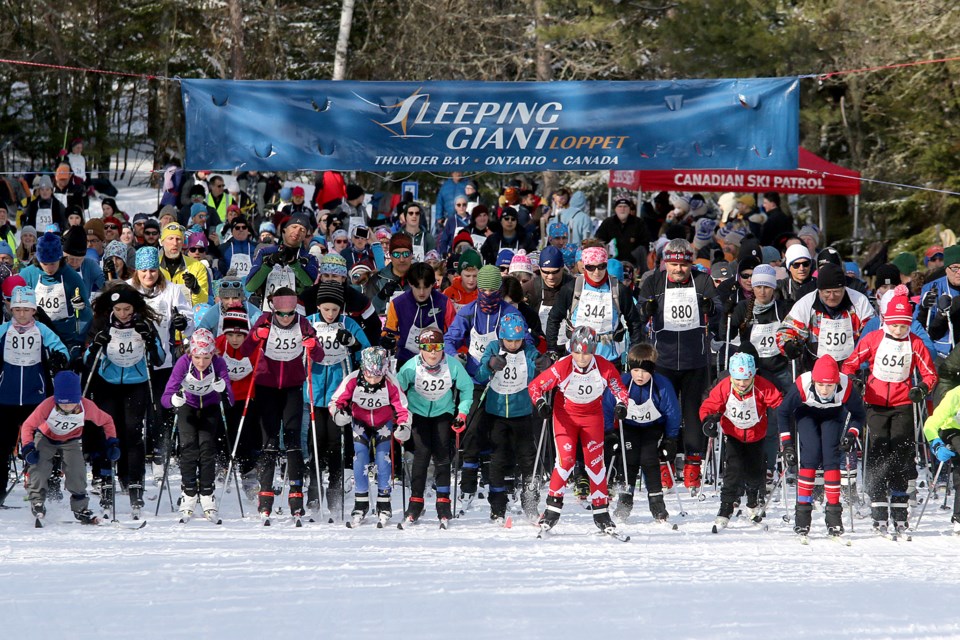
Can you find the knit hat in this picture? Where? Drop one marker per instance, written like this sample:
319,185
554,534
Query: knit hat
382,233
951,255
829,255
594,255
116,249
551,258
45,183
236,321
66,387
558,230
29,230
401,241
512,327
769,254
329,292
887,275
7,251
764,276
172,229
905,262
735,237
231,286
797,252
722,270
358,271
202,343
851,269
12,282
462,236
898,311
354,191
197,240
520,263
147,258
333,264
830,276
489,277
704,233
826,371
197,207
49,248
742,366
431,335
268,227
23,298
504,258
810,230
296,191
297,218
569,253
117,221
340,234
748,200
469,259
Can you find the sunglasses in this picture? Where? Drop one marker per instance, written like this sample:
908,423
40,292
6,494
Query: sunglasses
461,204
341,241
800,264
231,284
504,269
197,249
240,227
508,219
111,226
400,255
550,272
285,314
432,348
595,267
150,232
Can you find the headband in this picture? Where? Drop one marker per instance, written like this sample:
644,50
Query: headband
646,365
284,302
677,256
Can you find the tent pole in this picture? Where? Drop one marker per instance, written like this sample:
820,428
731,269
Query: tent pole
856,218
822,201
609,198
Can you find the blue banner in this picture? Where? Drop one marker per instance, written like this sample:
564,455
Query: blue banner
748,124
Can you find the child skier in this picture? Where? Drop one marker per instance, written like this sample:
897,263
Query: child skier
510,365
56,426
430,381
650,430
894,354
195,390
581,378
374,400
942,431
739,405
820,401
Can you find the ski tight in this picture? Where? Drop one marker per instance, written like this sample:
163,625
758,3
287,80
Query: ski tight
198,448
278,405
127,405
588,430
744,469
382,438
643,453
691,386
513,446
889,450
431,439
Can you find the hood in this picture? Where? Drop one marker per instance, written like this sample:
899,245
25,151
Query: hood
578,201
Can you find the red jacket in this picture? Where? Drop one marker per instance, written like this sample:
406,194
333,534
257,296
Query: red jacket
890,394
561,376
236,364
763,392
278,374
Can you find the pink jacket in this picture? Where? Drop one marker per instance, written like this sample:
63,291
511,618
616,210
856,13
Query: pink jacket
376,417
38,421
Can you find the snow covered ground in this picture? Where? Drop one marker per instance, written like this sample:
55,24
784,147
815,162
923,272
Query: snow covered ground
242,580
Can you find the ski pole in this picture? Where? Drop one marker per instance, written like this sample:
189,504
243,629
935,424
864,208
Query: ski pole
850,487
236,441
93,370
226,478
536,460
783,489
403,476
113,491
456,463
683,513
623,452
313,431
76,312
936,477
166,466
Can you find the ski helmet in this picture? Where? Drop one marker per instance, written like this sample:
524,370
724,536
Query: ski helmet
512,327
430,335
583,340
742,366
373,361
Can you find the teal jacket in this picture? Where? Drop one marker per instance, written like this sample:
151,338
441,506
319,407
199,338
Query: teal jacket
448,403
327,377
511,405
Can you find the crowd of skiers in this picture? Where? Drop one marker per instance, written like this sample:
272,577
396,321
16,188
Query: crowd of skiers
296,349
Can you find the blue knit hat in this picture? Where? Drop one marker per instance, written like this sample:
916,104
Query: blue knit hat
116,249
147,258
5,249
197,207
512,327
551,258
49,248
504,257
66,388
558,230
742,366
615,268
333,264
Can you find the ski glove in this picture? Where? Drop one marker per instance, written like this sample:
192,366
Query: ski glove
620,411
143,330
190,282
219,385
789,454
30,454
939,448
179,322
543,362
388,290
849,440
58,362
342,418
668,449
113,449
178,400
543,408
918,393
102,339
345,338
711,425
262,333
459,424
77,302
929,299
389,342
497,363
309,343
792,349
402,433
650,306
463,358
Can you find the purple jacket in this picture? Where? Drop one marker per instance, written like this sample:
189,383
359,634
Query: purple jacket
278,373
179,380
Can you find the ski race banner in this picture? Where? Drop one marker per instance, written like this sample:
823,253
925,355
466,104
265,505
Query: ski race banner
749,124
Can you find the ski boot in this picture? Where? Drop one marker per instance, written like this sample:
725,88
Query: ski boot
624,507
38,510
384,509
551,515
879,512
136,500
498,503
755,510
188,503
296,499
723,516
249,484
414,510
209,505
444,513
265,503
466,500
691,473
581,490
658,509
666,478
601,518
898,509
85,516
803,517
106,495
530,501
834,519
361,505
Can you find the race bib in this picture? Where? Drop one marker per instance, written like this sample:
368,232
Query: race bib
764,338
284,345
893,360
479,342
680,309
595,310
333,351
584,388
742,413
643,413
242,263
45,218
280,276
513,378
23,349
238,369
371,400
478,240
63,423
836,338
198,386
433,386
418,253
126,347
413,334
53,299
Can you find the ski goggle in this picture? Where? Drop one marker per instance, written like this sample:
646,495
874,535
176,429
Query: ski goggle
285,314
432,348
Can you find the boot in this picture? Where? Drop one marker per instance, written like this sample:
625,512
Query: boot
498,504
38,510
106,494
384,506
361,505
657,507
188,503
136,495
265,502
803,518
898,508
414,509
530,501
468,478
582,488
551,515
85,516
443,506
624,507
834,519
209,505
879,511
666,478
296,498
723,515
601,518
249,484
691,472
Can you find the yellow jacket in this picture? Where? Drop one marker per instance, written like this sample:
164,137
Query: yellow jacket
199,272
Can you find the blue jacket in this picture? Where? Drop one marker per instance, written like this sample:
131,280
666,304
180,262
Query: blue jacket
449,231
942,345
664,399
92,274
113,373
513,405
22,385
326,378
458,335
230,247
577,219
67,329
447,196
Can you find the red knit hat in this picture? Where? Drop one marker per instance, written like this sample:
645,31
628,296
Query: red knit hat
826,371
898,311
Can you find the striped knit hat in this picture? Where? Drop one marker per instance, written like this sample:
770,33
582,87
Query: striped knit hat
489,278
